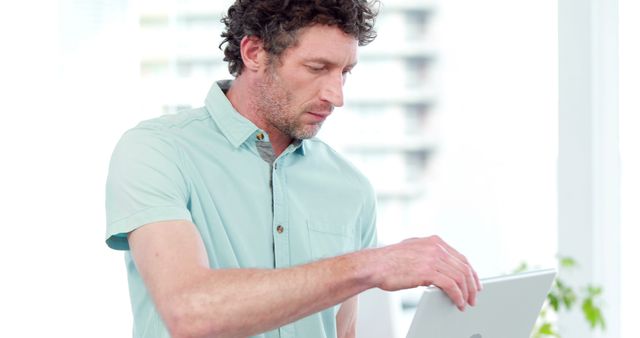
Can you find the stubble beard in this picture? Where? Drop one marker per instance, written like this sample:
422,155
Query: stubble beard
274,104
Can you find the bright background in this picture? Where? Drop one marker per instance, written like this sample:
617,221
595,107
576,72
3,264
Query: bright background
71,85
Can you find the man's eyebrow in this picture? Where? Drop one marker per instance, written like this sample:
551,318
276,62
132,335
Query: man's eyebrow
329,62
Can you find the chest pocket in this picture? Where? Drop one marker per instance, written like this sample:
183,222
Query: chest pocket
328,240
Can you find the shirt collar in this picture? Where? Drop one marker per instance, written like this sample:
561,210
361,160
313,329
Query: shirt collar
235,127
300,146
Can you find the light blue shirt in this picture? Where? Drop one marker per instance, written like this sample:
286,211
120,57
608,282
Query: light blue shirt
214,167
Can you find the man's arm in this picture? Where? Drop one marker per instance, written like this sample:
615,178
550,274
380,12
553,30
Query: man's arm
196,301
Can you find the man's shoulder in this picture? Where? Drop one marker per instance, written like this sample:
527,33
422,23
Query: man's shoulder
180,120
167,131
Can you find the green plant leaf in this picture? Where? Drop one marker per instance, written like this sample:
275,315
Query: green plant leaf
567,262
521,268
546,329
569,298
566,295
594,291
593,314
553,301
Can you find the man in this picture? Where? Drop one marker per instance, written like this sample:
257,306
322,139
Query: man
237,221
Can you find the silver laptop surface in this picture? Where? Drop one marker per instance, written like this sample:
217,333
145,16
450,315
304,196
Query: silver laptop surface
507,307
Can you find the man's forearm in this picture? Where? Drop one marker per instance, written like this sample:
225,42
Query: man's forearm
196,301
244,302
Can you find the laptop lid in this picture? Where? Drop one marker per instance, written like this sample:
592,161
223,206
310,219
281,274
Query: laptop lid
507,307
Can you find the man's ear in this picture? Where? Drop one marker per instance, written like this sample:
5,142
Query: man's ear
253,53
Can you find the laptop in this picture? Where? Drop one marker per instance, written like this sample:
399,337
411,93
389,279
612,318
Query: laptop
507,307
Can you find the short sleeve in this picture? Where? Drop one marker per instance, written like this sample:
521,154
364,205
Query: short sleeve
145,184
369,236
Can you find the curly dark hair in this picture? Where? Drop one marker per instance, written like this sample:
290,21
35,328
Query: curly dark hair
277,22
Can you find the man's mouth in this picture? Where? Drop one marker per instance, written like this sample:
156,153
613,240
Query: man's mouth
319,117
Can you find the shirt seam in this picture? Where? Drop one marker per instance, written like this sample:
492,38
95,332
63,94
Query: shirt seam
186,122
141,211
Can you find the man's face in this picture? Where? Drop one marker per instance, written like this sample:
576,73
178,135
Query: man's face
299,90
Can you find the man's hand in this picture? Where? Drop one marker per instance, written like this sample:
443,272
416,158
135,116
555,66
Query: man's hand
428,261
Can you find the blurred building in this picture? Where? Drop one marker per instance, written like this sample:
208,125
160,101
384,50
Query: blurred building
386,127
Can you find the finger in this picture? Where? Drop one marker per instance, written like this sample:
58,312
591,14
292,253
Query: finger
471,283
450,287
463,259
477,280
464,273
447,266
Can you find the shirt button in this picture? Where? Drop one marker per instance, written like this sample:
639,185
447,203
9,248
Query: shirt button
260,136
279,229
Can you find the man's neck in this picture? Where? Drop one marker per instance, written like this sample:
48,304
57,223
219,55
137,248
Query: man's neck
242,97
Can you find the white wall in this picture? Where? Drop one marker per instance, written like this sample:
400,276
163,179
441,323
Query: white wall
494,185
62,113
630,185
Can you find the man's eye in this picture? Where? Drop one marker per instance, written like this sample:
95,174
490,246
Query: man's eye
315,69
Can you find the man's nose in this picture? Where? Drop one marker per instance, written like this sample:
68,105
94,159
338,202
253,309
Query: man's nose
332,90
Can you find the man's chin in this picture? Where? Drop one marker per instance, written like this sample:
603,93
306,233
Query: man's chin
308,133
